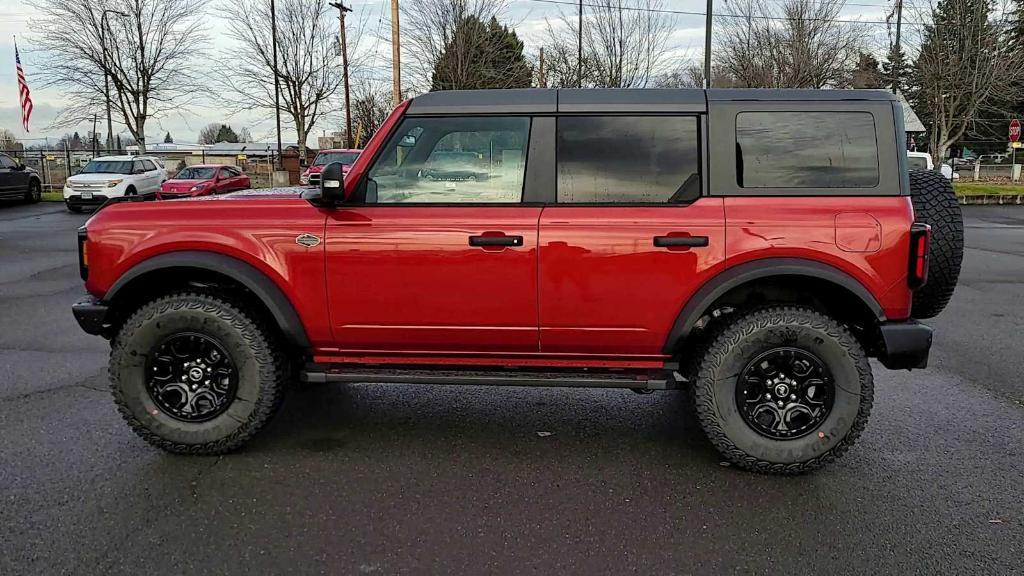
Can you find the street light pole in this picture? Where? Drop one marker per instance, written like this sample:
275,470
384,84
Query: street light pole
579,49
344,69
895,70
106,76
707,46
277,82
396,56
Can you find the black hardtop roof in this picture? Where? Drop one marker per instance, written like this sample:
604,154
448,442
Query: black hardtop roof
543,100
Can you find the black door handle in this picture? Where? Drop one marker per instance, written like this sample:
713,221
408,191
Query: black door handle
495,240
674,241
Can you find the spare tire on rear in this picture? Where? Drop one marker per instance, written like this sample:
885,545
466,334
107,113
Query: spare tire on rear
935,204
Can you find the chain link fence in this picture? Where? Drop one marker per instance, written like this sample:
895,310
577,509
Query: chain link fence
56,164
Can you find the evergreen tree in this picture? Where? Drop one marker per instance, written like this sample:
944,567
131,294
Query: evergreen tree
866,74
168,139
226,134
481,55
895,69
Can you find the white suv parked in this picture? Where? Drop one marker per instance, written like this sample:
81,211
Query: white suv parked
112,176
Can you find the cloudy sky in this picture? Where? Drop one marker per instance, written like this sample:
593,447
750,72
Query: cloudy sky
528,17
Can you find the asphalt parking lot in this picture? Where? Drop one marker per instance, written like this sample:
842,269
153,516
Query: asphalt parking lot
381,479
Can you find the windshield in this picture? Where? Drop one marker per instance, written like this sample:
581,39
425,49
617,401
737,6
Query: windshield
196,173
917,163
107,167
324,158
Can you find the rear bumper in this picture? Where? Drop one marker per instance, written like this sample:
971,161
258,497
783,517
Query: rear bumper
905,345
92,315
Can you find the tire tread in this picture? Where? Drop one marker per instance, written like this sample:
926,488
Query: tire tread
728,336
266,352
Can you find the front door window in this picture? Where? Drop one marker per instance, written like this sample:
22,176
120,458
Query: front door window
452,161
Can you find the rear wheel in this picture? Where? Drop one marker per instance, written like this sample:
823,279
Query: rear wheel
35,192
935,204
195,374
783,390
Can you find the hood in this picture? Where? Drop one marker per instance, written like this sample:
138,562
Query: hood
254,194
94,178
318,169
176,185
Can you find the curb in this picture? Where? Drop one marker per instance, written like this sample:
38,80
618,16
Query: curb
989,199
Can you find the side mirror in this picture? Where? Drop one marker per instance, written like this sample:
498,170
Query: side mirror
332,187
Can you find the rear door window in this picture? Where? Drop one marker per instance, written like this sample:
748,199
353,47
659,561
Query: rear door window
806,150
628,159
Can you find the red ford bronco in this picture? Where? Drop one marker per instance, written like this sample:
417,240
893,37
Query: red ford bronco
752,248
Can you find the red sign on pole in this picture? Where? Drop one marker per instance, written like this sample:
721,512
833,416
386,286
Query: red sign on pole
1014,130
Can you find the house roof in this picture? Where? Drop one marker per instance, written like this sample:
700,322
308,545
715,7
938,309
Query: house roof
911,123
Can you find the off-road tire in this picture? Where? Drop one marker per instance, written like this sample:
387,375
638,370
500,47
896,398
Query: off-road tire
935,204
254,349
738,342
35,191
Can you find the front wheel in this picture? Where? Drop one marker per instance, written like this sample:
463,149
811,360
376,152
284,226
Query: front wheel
783,390
193,373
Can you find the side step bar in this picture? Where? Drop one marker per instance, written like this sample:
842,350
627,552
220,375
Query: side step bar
635,381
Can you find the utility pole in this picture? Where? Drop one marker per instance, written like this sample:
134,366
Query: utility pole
277,82
579,50
95,138
896,69
106,77
707,45
540,71
344,70
396,56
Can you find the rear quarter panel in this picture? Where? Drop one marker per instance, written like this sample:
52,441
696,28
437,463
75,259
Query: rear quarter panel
260,232
806,227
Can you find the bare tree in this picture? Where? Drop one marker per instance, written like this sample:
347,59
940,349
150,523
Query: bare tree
371,105
692,76
7,139
307,67
150,57
963,68
625,44
794,44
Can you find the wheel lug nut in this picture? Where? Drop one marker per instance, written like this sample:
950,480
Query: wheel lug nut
780,404
792,396
767,396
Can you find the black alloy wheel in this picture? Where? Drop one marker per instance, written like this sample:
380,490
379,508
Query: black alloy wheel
785,393
190,377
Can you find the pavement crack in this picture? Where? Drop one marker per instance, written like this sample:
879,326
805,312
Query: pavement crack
77,384
194,484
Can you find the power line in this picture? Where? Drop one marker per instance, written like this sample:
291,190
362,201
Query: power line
728,14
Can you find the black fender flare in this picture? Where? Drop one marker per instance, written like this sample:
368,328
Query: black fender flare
740,274
245,274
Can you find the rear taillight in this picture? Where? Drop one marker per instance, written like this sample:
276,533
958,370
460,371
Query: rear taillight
83,254
920,244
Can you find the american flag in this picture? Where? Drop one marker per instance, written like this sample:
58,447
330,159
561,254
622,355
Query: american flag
23,92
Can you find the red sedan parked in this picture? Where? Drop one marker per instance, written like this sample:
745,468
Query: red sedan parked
204,180
311,176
